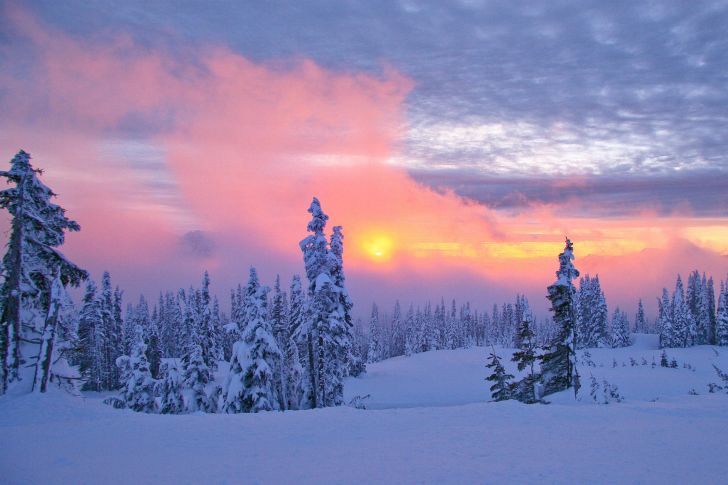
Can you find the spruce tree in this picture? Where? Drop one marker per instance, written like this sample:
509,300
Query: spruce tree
91,339
666,327
169,390
721,325
501,388
410,333
640,324
526,357
620,329
375,336
250,386
398,331
558,363
137,383
30,266
681,317
195,376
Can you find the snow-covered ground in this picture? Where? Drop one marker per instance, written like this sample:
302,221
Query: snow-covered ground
427,422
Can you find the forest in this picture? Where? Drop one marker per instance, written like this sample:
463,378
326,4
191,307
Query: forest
293,346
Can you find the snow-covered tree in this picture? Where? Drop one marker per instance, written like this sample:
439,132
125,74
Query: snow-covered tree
410,344
195,376
558,363
137,384
169,390
375,336
30,266
640,322
501,388
665,323
620,329
91,339
721,325
523,390
250,385
329,309
398,332
591,314
681,317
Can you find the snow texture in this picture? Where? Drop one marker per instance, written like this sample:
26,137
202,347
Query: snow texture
427,422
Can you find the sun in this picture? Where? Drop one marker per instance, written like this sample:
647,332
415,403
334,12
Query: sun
378,247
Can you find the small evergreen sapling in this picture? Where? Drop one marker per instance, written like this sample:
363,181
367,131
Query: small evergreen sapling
501,389
523,390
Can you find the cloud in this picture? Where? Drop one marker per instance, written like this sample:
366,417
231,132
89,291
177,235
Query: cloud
149,137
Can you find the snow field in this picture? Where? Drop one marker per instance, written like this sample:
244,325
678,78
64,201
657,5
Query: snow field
427,422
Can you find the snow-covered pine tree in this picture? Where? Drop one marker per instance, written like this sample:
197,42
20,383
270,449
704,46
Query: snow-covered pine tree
558,363
640,324
501,388
137,383
130,324
341,325
30,266
704,324
398,331
207,333
303,336
169,390
113,328
362,344
620,330
721,325
59,302
154,349
523,390
375,336
712,314
279,326
410,335
667,327
681,316
591,311
195,376
329,307
91,340
250,385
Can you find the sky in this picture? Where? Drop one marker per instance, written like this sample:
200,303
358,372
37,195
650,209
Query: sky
457,142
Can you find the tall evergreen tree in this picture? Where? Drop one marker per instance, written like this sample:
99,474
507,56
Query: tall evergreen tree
721,325
681,316
30,265
398,331
640,324
92,340
668,337
410,345
375,336
558,364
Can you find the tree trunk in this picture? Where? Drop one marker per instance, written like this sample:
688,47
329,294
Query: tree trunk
312,370
11,313
45,356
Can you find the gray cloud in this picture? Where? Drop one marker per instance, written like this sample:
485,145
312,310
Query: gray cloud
505,90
